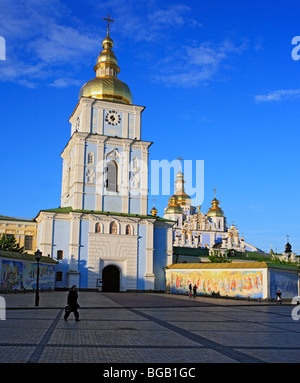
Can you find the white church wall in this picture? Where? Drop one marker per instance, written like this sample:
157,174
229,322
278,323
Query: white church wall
112,203
113,249
141,257
134,205
61,238
160,256
83,252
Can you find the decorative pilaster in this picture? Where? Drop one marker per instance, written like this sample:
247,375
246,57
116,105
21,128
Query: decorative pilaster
125,184
149,275
46,239
74,241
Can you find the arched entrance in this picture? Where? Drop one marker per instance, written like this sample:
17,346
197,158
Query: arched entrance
111,279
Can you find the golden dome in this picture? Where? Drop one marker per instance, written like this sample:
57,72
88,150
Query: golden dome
215,210
183,199
107,88
173,207
153,211
106,85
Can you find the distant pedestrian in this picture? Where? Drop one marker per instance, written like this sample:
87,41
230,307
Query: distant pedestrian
72,304
190,288
195,290
278,297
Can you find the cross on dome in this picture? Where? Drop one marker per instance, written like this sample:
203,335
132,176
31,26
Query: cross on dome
109,20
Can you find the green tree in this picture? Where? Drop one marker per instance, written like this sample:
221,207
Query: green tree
219,258
10,244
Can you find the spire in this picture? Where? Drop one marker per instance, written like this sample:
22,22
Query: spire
107,63
106,85
182,197
109,20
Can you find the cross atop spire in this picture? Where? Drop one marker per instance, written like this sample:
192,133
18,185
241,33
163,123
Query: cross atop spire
180,159
215,192
287,237
109,20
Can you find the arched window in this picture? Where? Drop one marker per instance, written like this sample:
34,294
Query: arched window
113,228
90,158
112,176
129,230
98,228
77,124
135,164
60,254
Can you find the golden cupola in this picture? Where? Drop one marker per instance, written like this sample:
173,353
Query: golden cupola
182,198
215,210
106,85
173,206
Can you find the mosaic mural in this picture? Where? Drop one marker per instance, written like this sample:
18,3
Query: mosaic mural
231,283
17,275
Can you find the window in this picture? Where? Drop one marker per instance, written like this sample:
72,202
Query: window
59,276
90,159
112,176
28,242
77,124
69,178
113,229
135,164
59,255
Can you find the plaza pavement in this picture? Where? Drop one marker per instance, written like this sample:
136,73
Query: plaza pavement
147,328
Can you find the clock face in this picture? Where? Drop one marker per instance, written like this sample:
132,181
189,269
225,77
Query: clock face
113,118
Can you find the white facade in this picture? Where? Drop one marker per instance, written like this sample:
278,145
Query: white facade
95,143
102,234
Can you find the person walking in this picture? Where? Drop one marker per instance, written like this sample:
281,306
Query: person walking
190,288
195,290
278,296
72,303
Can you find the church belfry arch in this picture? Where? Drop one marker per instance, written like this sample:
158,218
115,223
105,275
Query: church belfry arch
112,176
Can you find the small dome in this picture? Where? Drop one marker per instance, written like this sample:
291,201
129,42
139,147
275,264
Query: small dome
173,207
174,210
215,210
153,211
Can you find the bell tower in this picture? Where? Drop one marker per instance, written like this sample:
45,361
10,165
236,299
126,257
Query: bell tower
105,162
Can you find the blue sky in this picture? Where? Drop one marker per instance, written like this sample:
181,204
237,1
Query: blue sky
218,81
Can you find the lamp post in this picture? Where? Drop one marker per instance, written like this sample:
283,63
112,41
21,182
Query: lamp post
38,256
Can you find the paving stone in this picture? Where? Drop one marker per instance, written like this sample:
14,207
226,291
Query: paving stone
147,328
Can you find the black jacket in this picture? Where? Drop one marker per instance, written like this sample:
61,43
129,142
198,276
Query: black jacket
72,299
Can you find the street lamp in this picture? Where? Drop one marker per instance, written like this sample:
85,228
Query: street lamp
38,256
